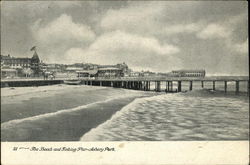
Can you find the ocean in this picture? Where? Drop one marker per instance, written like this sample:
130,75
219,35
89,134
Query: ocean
91,113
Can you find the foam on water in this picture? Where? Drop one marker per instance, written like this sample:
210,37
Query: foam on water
177,117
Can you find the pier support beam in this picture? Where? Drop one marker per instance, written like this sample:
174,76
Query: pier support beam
155,86
191,85
112,84
237,87
100,83
171,86
158,86
167,86
202,84
179,86
225,87
214,85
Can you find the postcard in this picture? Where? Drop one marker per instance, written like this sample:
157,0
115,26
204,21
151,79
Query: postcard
124,82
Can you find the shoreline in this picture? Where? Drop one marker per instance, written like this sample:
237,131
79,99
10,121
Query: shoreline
86,118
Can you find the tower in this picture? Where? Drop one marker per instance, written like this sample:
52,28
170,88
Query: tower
35,62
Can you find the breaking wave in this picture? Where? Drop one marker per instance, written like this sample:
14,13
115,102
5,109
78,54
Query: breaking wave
184,116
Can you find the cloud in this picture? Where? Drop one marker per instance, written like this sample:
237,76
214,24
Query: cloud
135,17
62,30
214,31
59,35
74,55
121,41
66,4
241,48
137,51
182,28
150,18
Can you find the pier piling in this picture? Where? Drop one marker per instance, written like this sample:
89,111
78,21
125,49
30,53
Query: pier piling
237,86
171,86
214,85
191,85
248,88
158,86
179,86
225,87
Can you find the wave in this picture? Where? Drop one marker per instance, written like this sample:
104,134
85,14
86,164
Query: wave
47,115
176,117
92,134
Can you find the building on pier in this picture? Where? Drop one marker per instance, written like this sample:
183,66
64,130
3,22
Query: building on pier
87,73
108,72
188,73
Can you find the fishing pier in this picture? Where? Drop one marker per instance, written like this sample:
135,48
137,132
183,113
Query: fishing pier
142,83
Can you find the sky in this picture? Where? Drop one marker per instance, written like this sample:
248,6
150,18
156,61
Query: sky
158,36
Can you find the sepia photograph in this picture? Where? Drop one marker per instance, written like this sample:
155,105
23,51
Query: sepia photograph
98,71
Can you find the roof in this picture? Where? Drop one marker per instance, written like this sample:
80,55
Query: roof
9,70
109,68
14,58
87,71
35,56
5,57
73,68
198,70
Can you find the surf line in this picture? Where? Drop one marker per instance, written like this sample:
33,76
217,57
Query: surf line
47,115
